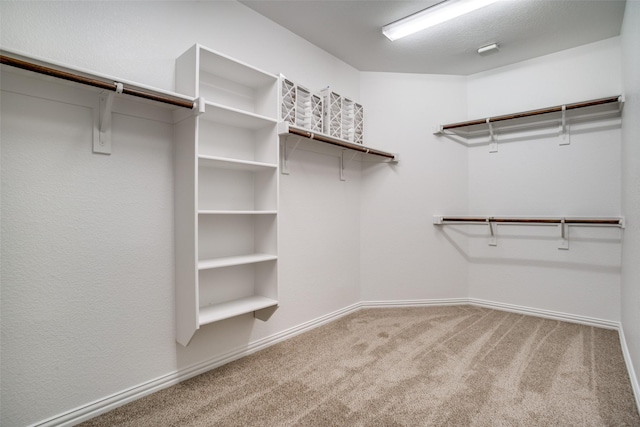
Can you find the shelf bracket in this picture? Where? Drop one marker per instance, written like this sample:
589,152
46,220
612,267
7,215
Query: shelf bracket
493,240
286,154
565,135
493,142
564,235
344,163
102,127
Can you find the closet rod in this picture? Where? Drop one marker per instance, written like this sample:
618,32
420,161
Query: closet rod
577,221
339,143
36,68
555,109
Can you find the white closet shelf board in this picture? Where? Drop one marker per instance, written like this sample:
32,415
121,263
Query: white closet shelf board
234,117
216,312
22,63
231,212
235,260
285,128
595,109
234,164
230,69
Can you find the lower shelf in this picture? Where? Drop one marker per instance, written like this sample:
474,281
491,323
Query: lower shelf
235,260
216,312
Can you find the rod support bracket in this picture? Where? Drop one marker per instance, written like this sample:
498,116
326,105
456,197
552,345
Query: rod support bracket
102,121
565,135
342,165
493,240
286,154
493,142
564,235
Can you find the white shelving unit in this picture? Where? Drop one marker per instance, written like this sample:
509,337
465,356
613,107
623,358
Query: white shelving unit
226,172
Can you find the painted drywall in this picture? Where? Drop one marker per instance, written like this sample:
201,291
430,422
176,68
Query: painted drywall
87,243
590,71
539,177
139,41
403,256
631,184
86,255
83,325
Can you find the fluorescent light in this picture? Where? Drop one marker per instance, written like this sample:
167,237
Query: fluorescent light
431,16
488,48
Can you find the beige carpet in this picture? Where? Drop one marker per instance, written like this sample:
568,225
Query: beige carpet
428,366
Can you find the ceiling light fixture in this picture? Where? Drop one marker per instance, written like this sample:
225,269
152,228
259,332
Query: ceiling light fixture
488,48
431,16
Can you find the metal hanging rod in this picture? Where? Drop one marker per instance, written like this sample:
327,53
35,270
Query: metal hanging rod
96,82
340,143
616,222
556,109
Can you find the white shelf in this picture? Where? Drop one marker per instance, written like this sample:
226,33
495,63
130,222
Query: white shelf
234,260
236,212
92,80
545,117
230,69
234,164
234,117
216,312
285,128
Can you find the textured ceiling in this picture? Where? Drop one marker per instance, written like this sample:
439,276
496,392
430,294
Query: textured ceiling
351,31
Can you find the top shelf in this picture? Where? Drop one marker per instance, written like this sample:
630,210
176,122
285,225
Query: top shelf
99,81
221,80
227,68
585,110
284,128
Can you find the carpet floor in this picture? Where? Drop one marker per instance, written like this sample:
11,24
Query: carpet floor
422,366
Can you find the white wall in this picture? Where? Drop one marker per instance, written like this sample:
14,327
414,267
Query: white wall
87,240
538,177
631,184
139,41
87,243
86,254
403,256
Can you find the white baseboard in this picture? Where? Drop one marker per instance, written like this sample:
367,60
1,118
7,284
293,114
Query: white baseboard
101,406
632,373
113,401
547,314
555,315
414,303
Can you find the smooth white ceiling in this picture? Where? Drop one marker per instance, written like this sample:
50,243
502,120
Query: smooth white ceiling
351,31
